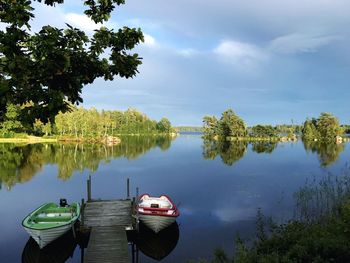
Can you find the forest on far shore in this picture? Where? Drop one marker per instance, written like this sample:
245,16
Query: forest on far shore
325,128
81,123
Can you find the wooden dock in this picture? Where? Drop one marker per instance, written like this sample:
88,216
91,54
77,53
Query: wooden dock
107,220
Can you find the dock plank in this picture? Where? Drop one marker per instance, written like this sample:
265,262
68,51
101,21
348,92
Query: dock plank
108,242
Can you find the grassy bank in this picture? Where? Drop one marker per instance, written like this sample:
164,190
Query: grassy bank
27,139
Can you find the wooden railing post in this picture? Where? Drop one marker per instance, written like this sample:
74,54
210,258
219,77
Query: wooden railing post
89,189
82,211
137,211
128,188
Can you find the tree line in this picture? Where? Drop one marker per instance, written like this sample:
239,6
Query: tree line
84,123
230,126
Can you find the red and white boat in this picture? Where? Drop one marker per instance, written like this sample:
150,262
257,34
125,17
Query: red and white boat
157,213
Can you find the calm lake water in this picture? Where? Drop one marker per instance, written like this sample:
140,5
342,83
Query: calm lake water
218,187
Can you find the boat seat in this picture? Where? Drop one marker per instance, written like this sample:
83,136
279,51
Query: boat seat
53,218
45,215
155,202
58,210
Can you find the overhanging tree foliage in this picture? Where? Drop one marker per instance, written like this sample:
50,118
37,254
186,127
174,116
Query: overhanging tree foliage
49,68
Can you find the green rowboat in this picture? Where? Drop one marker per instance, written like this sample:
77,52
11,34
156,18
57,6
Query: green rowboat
50,221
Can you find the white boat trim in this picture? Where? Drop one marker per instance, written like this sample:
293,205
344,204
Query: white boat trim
157,213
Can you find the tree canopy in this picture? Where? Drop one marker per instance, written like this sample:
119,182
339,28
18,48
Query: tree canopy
229,125
232,125
11,124
49,68
210,126
325,128
263,131
92,123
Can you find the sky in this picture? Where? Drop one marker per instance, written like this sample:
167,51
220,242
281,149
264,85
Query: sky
271,61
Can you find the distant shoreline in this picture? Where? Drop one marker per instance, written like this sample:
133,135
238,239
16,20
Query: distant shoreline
109,140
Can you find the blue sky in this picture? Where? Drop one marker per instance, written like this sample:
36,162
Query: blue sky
271,61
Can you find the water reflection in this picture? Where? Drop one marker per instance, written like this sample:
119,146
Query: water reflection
260,180
56,252
19,163
327,153
157,245
230,152
264,146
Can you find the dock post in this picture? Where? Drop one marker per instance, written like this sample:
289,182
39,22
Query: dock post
82,254
133,253
89,189
128,188
137,211
137,254
82,211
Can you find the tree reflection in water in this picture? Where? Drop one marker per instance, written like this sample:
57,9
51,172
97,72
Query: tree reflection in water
230,152
327,153
264,146
19,163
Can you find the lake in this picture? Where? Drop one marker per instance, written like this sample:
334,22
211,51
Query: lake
219,188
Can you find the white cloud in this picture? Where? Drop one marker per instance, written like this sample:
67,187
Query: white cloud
81,21
188,52
300,43
242,55
149,40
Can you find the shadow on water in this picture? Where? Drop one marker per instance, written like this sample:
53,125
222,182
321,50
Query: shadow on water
20,163
155,245
56,252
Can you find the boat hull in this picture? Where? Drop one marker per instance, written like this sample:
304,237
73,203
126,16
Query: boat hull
45,236
157,222
50,221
